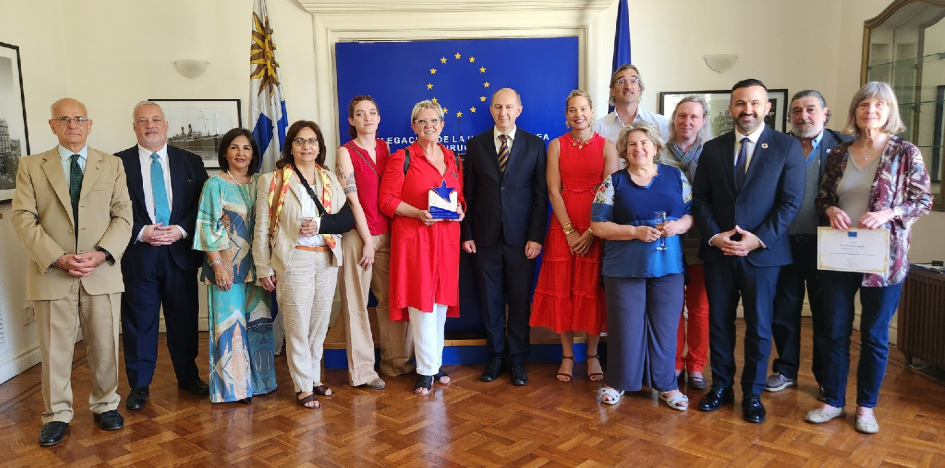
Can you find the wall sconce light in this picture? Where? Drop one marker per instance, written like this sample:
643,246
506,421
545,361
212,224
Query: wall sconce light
191,68
720,62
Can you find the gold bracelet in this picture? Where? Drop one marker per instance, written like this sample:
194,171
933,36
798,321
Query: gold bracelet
590,231
568,229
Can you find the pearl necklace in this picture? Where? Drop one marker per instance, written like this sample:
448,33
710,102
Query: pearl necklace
234,179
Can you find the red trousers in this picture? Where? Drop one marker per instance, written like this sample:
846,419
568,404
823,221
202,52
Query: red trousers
696,333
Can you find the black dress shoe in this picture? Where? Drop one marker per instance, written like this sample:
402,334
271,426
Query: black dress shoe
138,397
518,374
716,397
52,433
752,409
493,369
195,387
109,420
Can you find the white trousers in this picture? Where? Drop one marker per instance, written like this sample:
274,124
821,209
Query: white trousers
427,331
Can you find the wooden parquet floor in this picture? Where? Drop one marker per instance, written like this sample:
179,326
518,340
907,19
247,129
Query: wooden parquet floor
471,423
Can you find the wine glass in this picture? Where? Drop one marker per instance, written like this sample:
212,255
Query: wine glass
660,220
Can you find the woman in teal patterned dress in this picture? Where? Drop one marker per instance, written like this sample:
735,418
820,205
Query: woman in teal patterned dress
241,350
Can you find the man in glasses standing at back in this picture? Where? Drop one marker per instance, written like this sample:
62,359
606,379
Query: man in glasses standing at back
72,213
160,267
626,88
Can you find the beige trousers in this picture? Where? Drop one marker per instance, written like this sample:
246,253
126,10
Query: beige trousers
305,294
56,325
393,337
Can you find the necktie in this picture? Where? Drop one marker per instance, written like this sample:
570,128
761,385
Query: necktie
504,153
162,212
740,163
75,186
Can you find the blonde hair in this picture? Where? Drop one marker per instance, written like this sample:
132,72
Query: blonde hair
427,104
576,93
648,129
883,92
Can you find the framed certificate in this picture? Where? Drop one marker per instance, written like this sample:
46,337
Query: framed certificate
856,250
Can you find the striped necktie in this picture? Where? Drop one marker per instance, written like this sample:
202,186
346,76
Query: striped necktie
75,187
504,153
162,212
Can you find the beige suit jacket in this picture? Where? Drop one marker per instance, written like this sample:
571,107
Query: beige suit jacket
42,219
272,255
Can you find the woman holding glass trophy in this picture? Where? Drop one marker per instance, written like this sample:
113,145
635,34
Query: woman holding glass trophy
640,213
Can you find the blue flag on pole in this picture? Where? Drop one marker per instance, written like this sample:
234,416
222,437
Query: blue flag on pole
267,117
621,38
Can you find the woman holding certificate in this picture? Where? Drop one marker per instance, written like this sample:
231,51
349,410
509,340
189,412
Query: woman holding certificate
422,191
877,181
300,216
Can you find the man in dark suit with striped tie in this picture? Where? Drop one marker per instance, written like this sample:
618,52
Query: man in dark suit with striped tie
160,268
506,218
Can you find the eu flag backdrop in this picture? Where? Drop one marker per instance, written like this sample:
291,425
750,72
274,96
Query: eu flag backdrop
461,75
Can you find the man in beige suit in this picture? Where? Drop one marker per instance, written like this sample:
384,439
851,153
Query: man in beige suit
72,213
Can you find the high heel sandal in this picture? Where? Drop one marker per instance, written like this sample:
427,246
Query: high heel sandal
566,377
594,376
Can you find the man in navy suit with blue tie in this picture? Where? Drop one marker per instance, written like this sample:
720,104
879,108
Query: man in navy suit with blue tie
507,215
160,267
748,187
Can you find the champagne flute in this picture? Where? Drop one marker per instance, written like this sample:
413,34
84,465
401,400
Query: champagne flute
660,220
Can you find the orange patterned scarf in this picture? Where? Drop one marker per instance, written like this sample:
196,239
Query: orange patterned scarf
278,188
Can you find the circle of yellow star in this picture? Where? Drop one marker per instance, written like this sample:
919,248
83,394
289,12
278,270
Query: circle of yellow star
429,85
458,56
485,85
442,59
433,71
482,69
472,59
459,114
472,109
482,99
433,100
445,110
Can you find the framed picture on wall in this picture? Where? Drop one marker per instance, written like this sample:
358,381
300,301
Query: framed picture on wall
14,138
197,125
719,120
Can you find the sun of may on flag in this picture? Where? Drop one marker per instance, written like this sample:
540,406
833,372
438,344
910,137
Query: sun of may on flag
266,100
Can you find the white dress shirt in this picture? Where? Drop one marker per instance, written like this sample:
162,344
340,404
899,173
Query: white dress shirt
309,211
498,141
752,143
144,157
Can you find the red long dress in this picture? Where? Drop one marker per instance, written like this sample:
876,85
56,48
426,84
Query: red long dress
569,296
424,260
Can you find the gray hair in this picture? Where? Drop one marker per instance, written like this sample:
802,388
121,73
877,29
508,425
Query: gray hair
651,132
575,93
883,92
704,132
613,80
812,93
147,103
52,108
427,104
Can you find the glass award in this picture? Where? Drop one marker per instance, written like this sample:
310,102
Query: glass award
442,202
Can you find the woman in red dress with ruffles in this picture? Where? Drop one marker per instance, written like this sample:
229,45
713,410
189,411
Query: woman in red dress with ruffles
569,296
424,252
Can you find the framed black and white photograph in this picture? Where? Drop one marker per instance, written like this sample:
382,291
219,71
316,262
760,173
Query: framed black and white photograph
14,138
719,120
197,125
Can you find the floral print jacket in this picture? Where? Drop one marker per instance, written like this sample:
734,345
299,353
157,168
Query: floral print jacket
902,184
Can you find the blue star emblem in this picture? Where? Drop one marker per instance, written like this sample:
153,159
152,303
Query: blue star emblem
443,191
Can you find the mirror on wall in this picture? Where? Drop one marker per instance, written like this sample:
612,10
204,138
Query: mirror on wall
905,47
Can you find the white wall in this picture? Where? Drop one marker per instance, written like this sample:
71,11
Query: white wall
113,53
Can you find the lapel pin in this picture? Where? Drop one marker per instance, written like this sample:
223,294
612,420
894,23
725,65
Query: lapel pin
764,146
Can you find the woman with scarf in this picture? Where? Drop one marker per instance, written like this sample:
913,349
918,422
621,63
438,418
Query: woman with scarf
300,215
687,134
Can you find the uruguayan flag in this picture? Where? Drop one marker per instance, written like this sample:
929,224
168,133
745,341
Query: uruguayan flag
267,117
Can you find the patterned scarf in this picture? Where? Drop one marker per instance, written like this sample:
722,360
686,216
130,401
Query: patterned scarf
278,189
687,160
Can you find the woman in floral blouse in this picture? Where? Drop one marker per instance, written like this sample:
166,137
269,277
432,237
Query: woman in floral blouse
877,181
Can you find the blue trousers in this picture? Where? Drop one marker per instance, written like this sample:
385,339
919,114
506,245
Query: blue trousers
878,306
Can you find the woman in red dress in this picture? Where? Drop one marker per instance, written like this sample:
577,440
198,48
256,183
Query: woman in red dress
424,263
569,297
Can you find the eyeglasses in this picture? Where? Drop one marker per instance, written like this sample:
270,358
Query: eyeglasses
632,81
302,141
424,122
68,120
143,121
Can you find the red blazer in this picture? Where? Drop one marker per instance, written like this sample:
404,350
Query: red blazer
424,260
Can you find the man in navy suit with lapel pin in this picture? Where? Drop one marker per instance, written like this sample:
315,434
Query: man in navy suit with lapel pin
809,114
507,216
160,267
749,185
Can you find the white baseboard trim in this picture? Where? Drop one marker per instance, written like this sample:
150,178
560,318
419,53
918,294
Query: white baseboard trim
16,364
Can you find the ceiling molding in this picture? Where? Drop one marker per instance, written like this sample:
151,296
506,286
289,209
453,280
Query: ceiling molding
334,7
